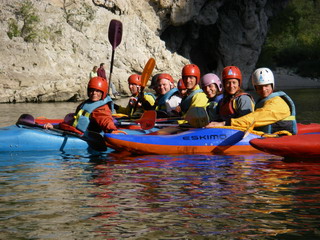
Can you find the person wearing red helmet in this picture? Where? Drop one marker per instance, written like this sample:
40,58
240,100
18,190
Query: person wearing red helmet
182,88
236,102
94,114
131,110
101,72
167,96
274,112
153,84
195,96
182,93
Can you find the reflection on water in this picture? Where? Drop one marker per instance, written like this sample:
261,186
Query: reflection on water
77,196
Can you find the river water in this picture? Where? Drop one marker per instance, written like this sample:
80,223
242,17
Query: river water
75,195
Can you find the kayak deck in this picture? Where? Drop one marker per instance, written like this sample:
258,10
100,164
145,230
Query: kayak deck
206,140
14,138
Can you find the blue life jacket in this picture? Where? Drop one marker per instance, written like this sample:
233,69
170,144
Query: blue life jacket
216,98
82,118
161,101
212,108
289,123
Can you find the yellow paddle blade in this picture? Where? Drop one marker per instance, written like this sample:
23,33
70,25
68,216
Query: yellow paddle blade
147,71
119,115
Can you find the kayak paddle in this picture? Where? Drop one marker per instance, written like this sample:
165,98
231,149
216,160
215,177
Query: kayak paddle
115,36
248,130
146,73
94,139
235,138
147,120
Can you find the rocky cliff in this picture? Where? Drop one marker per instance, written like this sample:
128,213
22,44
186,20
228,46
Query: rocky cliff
70,37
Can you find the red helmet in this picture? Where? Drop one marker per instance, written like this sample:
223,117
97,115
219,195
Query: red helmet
191,70
165,76
181,85
99,83
231,72
135,79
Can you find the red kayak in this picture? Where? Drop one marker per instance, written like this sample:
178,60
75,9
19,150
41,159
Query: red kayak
308,128
44,120
304,146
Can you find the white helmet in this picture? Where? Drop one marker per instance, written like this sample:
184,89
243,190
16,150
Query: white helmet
262,76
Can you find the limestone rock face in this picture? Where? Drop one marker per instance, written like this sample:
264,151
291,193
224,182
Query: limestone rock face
72,37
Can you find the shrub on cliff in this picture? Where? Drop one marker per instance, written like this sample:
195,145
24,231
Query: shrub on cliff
294,39
26,14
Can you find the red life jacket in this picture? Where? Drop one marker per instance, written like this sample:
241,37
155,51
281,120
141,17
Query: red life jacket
227,108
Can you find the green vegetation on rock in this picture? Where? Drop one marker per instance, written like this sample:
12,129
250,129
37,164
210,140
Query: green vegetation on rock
293,40
26,23
27,15
77,16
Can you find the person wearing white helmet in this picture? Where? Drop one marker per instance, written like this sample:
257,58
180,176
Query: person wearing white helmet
212,87
274,110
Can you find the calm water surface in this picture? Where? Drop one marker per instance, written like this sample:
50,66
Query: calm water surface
75,195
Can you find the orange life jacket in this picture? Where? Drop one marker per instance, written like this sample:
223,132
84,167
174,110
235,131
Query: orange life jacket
227,108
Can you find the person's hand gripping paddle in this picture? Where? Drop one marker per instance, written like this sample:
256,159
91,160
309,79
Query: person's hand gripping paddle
146,73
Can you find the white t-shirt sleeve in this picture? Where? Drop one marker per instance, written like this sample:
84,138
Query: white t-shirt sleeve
172,103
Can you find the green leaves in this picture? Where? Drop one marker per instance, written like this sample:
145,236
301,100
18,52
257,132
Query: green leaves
27,15
294,39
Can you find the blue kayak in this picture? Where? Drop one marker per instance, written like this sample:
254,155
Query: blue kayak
25,138
20,138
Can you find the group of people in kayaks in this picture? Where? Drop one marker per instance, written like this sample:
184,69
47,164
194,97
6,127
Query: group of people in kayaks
222,100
